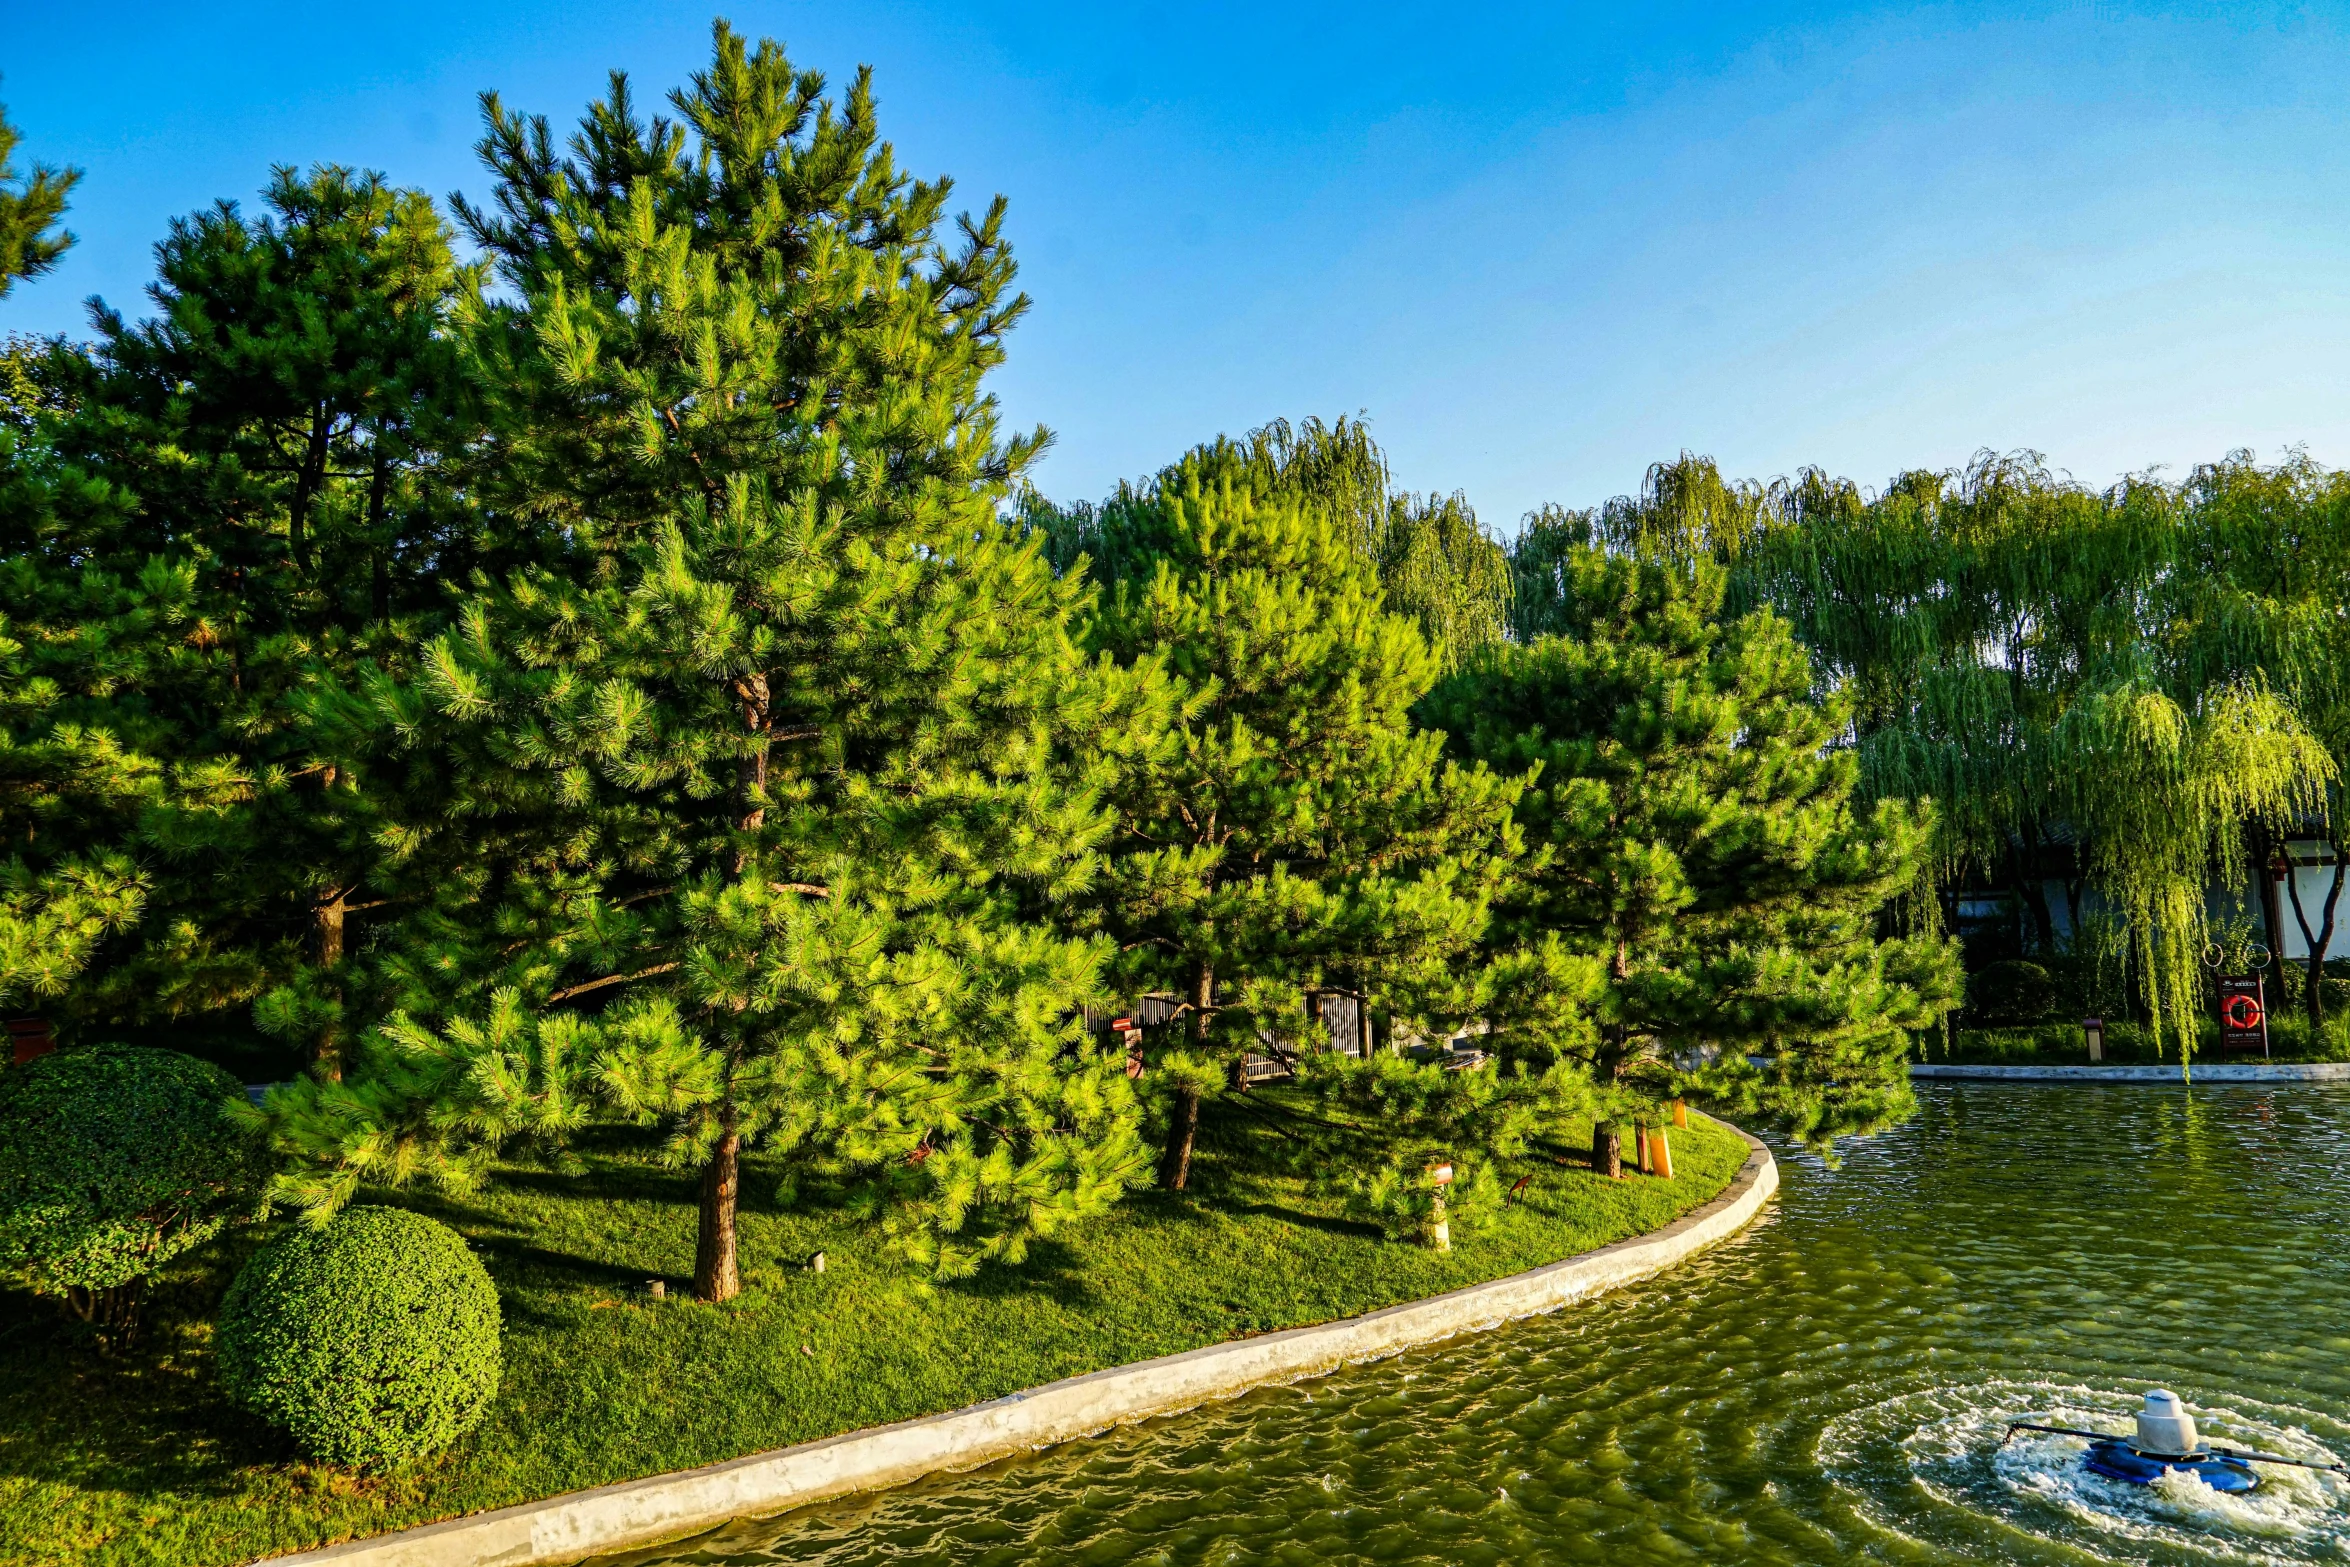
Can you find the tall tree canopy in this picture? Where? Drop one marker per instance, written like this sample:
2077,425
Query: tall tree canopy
1294,828
781,766
1433,561
1697,873
206,514
2051,666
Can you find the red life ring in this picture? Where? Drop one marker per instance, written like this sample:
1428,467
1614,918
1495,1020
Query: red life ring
2240,1012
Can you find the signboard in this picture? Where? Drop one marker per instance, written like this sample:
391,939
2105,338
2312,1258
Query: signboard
2243,1013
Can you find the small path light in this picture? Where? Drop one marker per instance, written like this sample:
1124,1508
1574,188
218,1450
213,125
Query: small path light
816,1263
2094,1027
657,1289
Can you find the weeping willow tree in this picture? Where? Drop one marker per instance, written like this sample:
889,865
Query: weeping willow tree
2058,669
1434,561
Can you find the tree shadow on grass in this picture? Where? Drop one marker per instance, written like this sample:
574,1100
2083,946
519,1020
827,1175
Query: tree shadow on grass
541,1267
148,1421
1328,1224
1051,1271
644,1183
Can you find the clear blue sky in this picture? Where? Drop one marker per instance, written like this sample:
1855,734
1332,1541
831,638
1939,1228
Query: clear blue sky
1540,247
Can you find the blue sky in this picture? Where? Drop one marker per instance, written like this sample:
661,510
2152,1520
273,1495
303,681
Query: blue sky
1539,247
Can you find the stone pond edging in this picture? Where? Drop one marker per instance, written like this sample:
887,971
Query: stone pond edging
631,1514
2216,1072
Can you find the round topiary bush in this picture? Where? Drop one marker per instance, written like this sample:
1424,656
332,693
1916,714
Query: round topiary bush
112,1162
372,1340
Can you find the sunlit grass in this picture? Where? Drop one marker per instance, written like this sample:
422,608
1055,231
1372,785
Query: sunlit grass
139,1460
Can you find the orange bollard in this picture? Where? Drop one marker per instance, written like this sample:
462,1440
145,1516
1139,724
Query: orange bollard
1681,1114
1660,1153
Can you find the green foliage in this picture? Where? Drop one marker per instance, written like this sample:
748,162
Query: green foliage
784,759
1434,562
209,518
1293,827
1383,1124
601,1384
1699,880
30,205
2012,992
113,1161
2140,678
372,1341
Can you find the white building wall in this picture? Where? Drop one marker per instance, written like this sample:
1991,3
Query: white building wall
2312,882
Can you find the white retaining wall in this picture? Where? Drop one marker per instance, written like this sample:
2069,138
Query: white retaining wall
635,1513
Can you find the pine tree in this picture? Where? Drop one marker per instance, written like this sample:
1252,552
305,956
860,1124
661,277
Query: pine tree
778,770
1698,876
1295,828
30,205
211,513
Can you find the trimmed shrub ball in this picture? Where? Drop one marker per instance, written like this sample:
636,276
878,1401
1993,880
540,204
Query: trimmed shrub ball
371,1341
112,1162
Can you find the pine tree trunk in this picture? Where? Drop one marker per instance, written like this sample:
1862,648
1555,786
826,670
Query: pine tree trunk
1607,1150
329,917
379,547
1175,1161
716,1276
1175,1164
750,770
307,480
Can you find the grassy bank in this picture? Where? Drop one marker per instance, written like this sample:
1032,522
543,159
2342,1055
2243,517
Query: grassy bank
139,1460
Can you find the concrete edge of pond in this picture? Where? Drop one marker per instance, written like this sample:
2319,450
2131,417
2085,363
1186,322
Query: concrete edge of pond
2215,1072
632,1514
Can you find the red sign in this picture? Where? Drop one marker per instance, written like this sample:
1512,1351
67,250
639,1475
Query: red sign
2243,1013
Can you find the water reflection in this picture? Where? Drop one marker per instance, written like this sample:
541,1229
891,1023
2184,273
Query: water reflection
1829,1388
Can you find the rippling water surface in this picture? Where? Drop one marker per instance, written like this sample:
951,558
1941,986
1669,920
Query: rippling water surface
1828,1388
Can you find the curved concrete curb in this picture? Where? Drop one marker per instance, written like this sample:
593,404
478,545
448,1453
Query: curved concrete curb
2216,1072
636,1513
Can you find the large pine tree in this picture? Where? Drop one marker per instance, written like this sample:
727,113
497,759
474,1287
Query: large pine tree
1698,876
204,516
1295,828
778,771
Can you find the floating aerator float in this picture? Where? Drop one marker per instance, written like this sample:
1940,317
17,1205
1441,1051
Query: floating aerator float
2167,1440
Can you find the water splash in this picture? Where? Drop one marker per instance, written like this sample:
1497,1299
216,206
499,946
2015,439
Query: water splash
1933,1464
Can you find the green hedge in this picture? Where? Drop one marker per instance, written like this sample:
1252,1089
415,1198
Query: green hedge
115,1160
372,1341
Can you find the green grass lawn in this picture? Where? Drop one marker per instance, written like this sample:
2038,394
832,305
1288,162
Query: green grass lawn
139,1459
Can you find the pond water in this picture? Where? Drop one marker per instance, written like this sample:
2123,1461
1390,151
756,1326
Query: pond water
1828,1388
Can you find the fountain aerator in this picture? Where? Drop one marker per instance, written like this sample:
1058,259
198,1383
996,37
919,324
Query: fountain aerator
2166,1439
